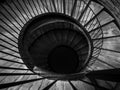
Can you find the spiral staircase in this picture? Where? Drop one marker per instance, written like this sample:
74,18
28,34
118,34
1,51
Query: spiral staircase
59,45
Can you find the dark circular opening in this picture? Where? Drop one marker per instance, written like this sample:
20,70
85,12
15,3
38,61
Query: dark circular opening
63,60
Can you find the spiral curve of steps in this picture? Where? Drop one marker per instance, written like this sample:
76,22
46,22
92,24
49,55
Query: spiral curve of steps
97,38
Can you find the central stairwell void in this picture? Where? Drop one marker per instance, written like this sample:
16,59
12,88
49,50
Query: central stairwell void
63,59
58,45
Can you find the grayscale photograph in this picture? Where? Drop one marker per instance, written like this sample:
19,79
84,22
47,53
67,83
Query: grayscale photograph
59,44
